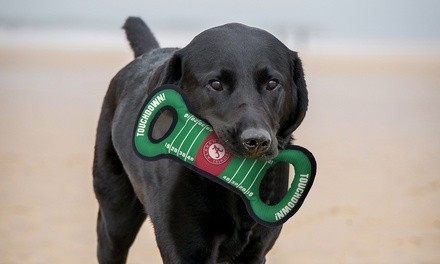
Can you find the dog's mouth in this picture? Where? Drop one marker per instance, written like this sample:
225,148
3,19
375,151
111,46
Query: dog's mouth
234,146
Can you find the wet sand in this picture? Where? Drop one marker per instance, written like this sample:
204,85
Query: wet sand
373,125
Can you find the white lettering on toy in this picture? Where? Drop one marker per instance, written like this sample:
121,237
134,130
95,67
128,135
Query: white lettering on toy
147,113
304,178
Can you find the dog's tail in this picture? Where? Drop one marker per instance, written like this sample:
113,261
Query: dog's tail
140,36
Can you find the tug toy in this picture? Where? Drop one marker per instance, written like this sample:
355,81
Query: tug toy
192,141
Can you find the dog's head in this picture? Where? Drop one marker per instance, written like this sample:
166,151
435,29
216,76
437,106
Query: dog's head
247,84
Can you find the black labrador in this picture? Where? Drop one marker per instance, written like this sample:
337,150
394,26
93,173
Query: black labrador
251,89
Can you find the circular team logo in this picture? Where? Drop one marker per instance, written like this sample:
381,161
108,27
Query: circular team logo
215,153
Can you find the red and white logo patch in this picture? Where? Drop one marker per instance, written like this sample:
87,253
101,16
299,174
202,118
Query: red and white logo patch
212,156
214,152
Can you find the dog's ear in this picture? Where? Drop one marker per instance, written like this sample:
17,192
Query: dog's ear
168,73
299,97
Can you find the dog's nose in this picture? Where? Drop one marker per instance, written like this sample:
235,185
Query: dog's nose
255,140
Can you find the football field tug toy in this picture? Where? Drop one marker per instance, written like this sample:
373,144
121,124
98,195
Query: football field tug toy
192,141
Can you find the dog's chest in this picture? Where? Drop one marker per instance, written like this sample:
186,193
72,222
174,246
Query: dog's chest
232,246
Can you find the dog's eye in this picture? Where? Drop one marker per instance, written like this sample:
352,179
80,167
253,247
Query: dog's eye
216,85
272,84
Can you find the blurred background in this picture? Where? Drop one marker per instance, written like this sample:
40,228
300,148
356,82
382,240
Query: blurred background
373,74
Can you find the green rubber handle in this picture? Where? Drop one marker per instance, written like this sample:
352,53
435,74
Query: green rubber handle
192,141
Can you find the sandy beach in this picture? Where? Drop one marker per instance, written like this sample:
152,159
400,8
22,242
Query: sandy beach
373,125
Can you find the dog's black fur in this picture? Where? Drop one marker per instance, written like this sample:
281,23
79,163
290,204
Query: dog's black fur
251,88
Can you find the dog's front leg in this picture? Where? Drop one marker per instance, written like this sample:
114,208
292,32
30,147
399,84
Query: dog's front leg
180,208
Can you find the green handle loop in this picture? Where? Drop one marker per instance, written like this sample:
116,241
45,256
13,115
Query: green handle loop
304,174
191,141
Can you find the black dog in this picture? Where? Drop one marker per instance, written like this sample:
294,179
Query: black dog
251,89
